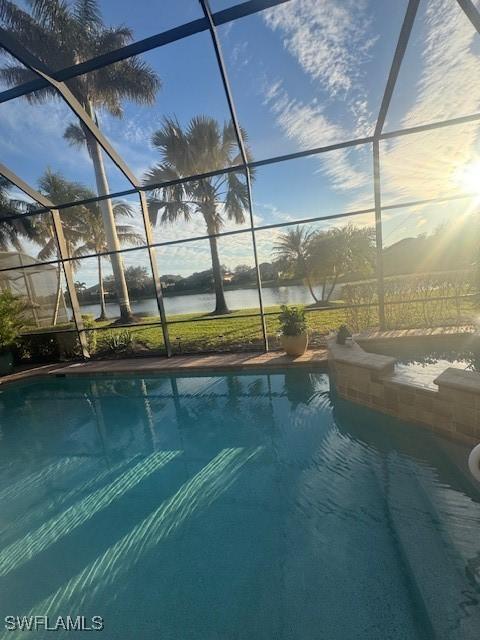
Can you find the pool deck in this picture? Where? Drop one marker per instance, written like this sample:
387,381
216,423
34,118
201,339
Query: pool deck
398,334
316,358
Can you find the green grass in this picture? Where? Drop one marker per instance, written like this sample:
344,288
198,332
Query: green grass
201,332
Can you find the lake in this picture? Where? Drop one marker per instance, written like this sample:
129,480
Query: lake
205,302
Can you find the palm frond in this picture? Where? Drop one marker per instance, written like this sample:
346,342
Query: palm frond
75,135
123,209
88,14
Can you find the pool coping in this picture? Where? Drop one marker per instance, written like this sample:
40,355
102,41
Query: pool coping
452,410
218,363
391,335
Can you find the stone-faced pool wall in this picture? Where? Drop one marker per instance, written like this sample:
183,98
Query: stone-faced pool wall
369,379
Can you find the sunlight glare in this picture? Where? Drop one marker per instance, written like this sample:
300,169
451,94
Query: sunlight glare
468,177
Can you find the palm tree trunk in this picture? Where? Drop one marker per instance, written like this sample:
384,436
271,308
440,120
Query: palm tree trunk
111,236
220,302
101,289
28,290
304,268
324,288
57,298
310,288
334,282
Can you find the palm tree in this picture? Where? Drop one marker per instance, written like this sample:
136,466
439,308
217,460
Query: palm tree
92,231
12,231
57,189
61,35
293,248
202,147
83,227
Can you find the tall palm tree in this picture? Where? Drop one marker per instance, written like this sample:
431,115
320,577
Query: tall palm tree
61,34
293,247
83,227
202,147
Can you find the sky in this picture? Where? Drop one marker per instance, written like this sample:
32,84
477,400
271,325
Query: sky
304,74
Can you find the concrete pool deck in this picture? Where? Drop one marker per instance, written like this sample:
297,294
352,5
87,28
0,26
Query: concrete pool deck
271,361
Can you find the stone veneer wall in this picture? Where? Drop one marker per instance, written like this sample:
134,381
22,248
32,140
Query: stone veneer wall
369,379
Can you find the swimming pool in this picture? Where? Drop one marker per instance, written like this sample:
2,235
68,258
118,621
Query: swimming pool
227,507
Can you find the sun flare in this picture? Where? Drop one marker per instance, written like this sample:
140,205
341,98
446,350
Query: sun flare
468,177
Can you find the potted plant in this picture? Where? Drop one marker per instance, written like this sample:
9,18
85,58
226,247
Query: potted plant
10,324
293,326
343,334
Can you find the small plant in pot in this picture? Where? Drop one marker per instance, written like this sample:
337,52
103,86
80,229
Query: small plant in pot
294,336
10,325
343,334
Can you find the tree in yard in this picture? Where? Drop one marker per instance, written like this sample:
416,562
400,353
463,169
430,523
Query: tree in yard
13,231
202,147
292,249
83,228
322,257
340,251
81,287
61,34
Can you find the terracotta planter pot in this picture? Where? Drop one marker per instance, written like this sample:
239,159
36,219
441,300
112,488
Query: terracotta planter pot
295,345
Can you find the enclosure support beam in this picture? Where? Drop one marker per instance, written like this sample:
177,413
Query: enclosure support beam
471,12
396,63
378,234
243,153
155,272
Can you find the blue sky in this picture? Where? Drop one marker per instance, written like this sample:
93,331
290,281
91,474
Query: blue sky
307,73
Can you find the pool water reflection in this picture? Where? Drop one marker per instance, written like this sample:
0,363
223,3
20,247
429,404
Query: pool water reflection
236,506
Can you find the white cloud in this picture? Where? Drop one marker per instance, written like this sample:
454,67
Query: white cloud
330,42
449,84
308,126
326,37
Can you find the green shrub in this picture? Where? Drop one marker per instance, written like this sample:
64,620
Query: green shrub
11,309
91,336
117,340
292,321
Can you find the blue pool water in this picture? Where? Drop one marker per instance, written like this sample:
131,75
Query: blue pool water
229,508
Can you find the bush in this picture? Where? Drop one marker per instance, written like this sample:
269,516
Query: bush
292,321
416,300
364,294
115,341
10,320
91,336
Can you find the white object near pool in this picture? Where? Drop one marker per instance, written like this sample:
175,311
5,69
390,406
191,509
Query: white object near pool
474,462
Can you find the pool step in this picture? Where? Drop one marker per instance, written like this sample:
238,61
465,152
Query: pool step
447,596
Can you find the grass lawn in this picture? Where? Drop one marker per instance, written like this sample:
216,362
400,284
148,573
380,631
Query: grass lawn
194,332
223,333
